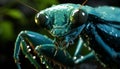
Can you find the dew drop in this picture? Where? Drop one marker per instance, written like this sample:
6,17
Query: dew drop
82,57
28,46
29,50
25,56
84,45
47,66
43,62
110,32
75,58
83,13
89,48
116,35
34,57
112,8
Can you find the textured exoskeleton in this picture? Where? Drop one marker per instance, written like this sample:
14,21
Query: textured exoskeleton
97,28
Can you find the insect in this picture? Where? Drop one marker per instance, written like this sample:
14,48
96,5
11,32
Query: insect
97,28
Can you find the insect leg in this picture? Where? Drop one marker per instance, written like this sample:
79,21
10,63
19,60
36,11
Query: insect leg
31,38
85,57
17,51
48,50
106,47
77,57
78,48
28,55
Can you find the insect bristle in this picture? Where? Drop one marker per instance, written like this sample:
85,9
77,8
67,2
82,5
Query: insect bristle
27,5
83,3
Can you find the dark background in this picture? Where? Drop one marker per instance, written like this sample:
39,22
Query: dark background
15,17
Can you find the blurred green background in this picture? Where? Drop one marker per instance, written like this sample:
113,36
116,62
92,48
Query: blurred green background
15,17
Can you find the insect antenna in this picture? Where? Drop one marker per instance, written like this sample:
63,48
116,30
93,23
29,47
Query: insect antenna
83,3
27,6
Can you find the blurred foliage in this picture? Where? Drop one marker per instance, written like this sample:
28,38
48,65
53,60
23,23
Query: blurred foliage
6,30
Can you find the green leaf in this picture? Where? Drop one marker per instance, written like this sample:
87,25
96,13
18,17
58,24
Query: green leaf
42,4
15,14
6,30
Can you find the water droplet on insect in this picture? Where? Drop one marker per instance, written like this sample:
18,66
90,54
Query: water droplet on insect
82,57
84,45
112,8
89,48
75,58
25,56
34,57
83,13
29,50
47,66
28,46
110,32
43,62
116,35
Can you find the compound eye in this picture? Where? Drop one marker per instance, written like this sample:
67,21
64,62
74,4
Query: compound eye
79,17
41,20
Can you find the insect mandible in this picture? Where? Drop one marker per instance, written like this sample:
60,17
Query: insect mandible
97,28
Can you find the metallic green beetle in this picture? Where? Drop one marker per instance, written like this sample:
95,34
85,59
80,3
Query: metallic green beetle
68,22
